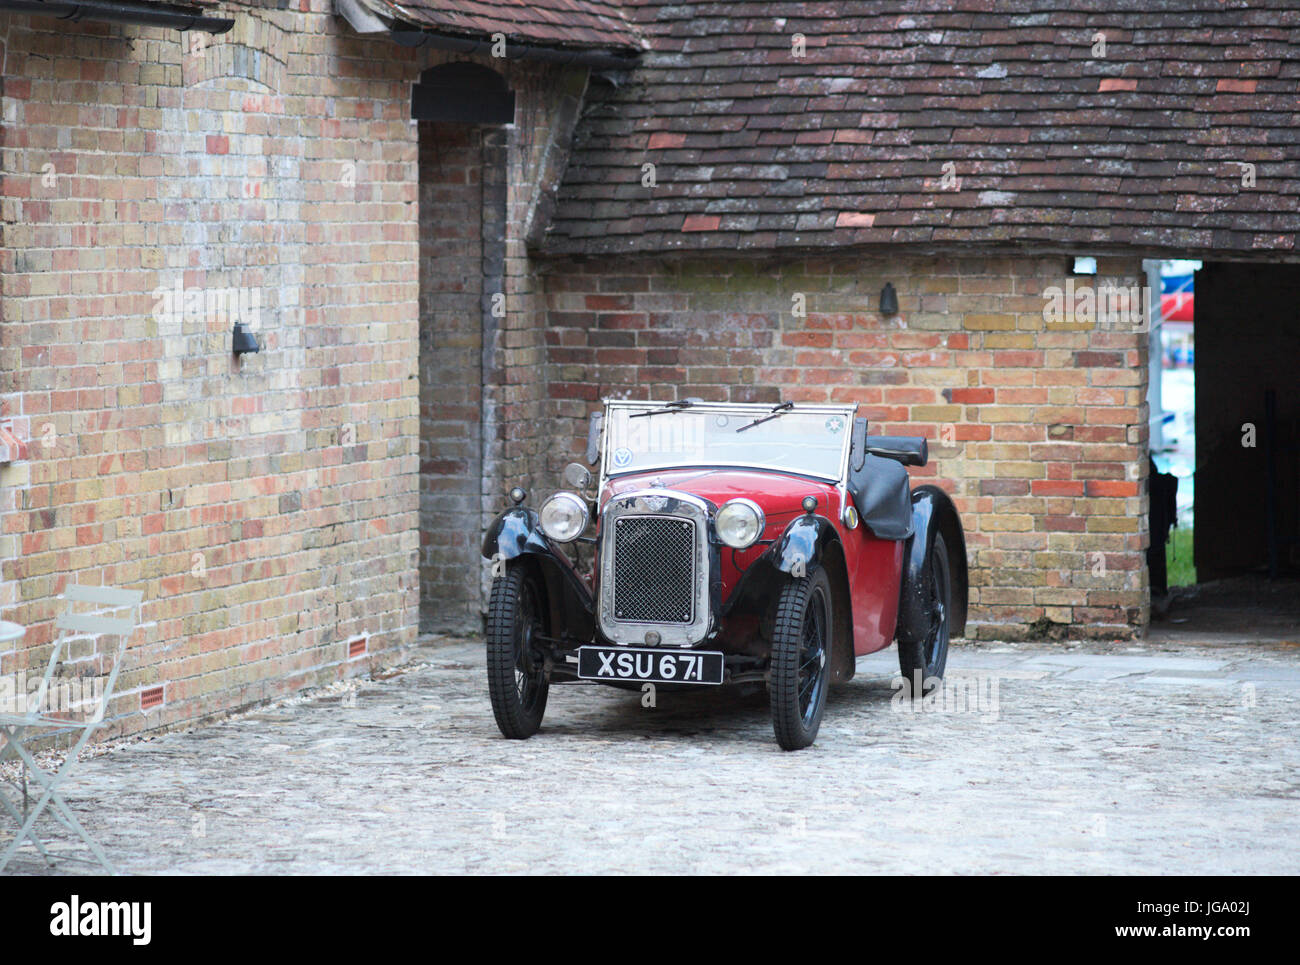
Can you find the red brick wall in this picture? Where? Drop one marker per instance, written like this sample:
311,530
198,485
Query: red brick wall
1039,432
267,507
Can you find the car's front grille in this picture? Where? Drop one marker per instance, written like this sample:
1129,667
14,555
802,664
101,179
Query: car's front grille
654,569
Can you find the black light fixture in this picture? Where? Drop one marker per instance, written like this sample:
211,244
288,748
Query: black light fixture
243,341
888,300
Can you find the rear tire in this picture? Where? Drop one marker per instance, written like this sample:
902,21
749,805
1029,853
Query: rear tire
517,681
925,659
801,659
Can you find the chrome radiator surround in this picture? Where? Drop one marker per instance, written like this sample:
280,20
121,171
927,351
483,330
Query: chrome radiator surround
656,504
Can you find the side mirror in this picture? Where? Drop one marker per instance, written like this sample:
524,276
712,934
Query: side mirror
593,437
577,476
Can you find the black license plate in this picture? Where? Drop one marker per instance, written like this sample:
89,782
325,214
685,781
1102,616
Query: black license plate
641,664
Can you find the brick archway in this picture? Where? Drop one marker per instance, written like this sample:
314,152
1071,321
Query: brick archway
462,173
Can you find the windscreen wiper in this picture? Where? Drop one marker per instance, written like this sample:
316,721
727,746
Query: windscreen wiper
668,407
780,410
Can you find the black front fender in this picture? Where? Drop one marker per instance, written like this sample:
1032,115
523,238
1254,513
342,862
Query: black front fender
933,512
517,534
807,544
800,548
803,545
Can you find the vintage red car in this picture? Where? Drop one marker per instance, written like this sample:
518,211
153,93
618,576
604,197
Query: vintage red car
728,544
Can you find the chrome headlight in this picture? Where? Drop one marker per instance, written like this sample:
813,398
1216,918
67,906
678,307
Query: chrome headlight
564,517
739,523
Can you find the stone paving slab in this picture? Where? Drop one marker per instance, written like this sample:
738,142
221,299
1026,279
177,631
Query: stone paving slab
1173,762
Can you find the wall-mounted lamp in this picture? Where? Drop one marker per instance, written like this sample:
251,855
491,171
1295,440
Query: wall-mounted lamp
243,341
888,300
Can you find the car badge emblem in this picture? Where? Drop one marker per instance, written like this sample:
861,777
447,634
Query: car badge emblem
622,458
655,503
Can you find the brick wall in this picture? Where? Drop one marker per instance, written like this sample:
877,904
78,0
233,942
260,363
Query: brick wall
267,506
547,105
159,187
1038,431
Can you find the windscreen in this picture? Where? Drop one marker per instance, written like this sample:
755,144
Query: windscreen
808,441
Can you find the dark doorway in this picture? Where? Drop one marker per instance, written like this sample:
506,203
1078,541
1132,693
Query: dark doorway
1247,420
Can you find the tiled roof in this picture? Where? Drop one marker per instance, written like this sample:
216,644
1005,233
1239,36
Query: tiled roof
1000,123
559,23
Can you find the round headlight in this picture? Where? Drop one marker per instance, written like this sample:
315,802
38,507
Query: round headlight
739,523
564,517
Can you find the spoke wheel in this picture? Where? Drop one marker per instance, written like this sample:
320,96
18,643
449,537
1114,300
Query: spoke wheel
517,681
928,658
801,660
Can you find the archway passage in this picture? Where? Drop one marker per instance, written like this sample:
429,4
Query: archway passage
462,173
1247,420
1247,475
462,93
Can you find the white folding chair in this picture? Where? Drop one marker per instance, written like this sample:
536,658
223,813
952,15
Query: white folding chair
36,722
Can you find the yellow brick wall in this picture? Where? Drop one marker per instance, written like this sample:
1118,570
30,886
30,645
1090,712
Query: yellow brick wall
1036,427
266,506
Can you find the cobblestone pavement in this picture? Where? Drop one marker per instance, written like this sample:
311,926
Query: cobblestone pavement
1149,758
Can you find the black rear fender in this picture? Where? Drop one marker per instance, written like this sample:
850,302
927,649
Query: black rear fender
933,513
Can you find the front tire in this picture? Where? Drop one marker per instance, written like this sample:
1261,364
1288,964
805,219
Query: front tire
517,681
923,661
801,659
